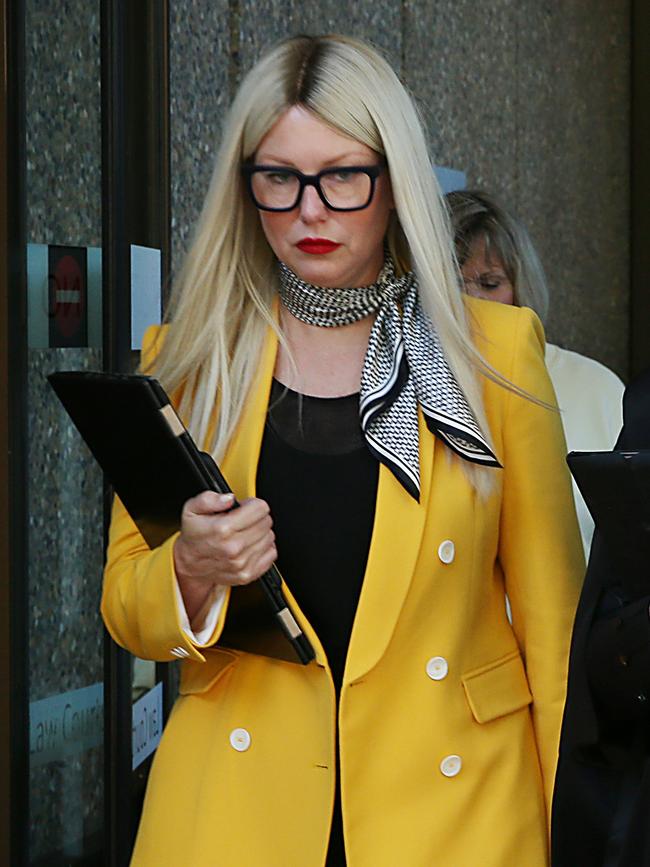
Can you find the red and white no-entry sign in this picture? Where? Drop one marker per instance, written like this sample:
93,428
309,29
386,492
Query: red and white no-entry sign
68,296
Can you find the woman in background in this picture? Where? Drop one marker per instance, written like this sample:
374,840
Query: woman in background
398,435
499,263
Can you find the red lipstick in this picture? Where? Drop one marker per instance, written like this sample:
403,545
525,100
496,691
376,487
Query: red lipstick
317,246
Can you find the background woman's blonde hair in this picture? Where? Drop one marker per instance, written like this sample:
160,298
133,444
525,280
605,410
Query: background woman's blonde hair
222,302
476,216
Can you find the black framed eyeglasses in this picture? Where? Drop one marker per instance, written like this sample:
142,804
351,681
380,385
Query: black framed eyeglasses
342,188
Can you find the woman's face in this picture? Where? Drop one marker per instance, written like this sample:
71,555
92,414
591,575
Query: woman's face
354,255
486,277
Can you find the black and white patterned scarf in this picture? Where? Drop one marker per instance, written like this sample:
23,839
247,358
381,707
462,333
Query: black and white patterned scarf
404,367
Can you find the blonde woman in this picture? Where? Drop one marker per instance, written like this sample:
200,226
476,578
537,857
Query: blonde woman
398,436
500,263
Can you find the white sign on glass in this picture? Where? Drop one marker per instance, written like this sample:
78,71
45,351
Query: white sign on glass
66,724
145,291
146,725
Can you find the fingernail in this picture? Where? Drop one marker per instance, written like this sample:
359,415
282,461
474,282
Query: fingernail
227,498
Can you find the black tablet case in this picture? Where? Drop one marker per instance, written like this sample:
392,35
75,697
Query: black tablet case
131,428
616,489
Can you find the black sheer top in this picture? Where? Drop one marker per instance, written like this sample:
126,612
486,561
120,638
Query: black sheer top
320,481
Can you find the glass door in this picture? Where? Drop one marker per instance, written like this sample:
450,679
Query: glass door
64,487
84,230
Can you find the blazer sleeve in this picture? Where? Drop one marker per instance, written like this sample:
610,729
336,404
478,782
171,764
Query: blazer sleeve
540,549
140,600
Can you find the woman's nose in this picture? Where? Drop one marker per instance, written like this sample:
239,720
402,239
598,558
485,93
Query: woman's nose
312,208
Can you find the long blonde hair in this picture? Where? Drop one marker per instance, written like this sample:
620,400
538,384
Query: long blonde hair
222,301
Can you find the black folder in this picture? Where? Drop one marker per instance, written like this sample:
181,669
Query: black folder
136,436
616,489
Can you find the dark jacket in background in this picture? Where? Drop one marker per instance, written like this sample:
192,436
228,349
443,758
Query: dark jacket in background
601,807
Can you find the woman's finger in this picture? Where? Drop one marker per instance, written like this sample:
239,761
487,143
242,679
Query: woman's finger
257,561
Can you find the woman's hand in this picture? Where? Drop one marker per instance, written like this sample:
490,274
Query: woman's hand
221,545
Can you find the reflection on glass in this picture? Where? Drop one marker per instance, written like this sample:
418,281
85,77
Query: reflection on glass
144,677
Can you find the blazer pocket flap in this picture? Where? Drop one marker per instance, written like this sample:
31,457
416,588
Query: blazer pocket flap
497,689
198,677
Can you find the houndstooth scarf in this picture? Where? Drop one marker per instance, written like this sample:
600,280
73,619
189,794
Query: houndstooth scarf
404,367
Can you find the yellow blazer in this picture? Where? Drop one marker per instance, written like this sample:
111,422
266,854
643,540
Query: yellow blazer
449,717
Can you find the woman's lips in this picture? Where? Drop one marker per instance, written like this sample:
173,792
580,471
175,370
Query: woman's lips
317,246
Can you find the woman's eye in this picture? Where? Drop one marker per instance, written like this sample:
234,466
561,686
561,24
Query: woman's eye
490,283
342,177
277,178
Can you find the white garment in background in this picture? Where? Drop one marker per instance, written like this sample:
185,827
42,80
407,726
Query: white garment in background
590,398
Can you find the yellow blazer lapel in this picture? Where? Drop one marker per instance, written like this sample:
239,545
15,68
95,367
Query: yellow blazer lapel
394,549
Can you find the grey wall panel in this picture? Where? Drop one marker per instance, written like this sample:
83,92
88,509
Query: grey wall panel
573,164
63,123
199,84
262,23
459,58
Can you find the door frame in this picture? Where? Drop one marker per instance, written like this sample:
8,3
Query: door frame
136,209
639,187
14,731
